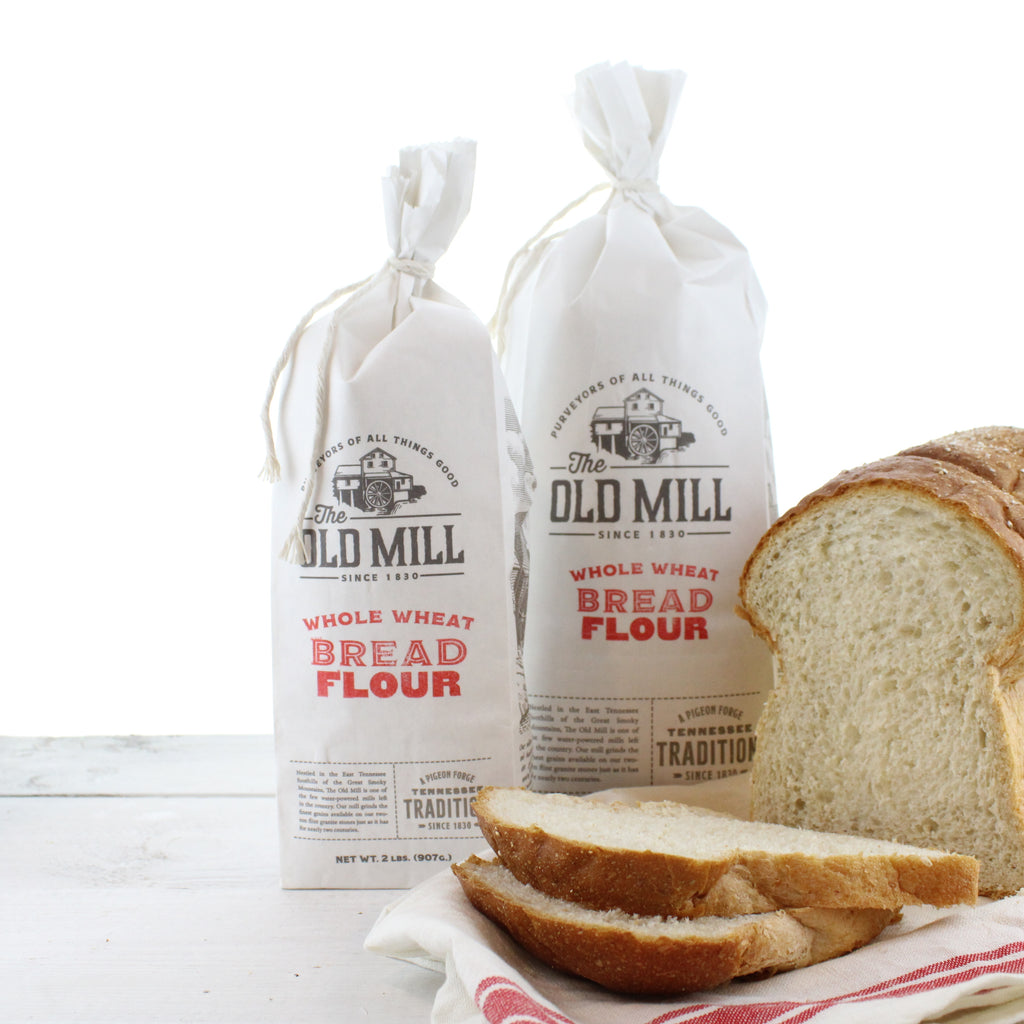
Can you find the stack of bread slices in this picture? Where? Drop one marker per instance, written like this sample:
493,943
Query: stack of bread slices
892,599
661,898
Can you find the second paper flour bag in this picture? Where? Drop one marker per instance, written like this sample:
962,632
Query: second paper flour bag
399,569
631,344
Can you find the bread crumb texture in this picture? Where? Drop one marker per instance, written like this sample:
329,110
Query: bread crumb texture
893,600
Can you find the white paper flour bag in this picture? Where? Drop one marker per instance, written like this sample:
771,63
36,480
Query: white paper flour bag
631,344
399,572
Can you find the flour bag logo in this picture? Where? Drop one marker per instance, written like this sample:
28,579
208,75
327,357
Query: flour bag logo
375,485
635,474
638,429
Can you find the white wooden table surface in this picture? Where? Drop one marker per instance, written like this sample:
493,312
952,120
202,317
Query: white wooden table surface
139,882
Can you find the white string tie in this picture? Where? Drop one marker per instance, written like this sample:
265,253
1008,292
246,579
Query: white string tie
529,255
294,548
522,263
638,185
638,190
414,268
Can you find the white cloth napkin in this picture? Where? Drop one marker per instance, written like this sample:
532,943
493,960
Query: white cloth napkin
965,964
968,962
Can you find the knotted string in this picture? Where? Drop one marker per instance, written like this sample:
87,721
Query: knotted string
414,268
636,188
294,548
531,252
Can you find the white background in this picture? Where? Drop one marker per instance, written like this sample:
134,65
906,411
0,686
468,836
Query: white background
181,181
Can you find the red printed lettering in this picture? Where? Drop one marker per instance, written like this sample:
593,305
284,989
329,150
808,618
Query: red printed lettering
384,652
690,627
352,653
323,652
325,680
438,683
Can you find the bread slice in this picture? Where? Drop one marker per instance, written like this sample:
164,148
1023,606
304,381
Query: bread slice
665,858
653,955
893,599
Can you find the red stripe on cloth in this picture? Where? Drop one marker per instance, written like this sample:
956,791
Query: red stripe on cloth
926,978
503,1001
978,971
741,1013
942,974
683,1014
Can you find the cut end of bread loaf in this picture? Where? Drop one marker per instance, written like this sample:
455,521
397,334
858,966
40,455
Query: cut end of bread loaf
666,858
893,599
658,956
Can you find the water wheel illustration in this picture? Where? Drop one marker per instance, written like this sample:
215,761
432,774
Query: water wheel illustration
378,494
642,441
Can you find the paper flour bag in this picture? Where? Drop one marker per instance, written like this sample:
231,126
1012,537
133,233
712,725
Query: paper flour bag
631,346
399,576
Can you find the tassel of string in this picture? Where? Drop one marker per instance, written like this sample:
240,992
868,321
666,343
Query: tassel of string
294,549
523,262
530,254
271,471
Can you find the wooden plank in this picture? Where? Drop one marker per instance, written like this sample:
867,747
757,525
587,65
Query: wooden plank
139,955
66,843
166,906
136,765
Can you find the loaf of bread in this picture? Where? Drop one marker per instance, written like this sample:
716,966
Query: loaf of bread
669,859
893,600
659,956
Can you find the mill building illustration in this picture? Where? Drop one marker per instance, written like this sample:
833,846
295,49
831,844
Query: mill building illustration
375,485
638,429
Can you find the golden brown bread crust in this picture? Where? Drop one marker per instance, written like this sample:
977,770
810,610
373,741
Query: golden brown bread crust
602,879
994,453
626,959
749,882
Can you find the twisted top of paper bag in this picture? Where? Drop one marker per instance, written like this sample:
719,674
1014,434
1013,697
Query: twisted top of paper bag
426,198
625,114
